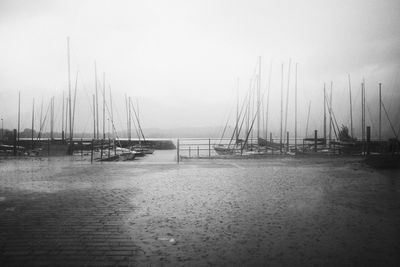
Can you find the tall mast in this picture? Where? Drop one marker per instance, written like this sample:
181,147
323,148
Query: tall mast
287,97
330,114
295,111
281,108
237,112
130,119
97,101
269,89
33,120
324,114
380,111
73,111
69,93
258,97
51,117
308,117
19,114
62,118
41,118
112,113
362,111
104,105
351,109
94,116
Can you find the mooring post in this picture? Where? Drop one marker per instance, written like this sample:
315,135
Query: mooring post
15,142
315,140
101,148
48,147
81,147
270,139
287,141
177,150
209,148
91,151
189,152
198,154
368,139
109,147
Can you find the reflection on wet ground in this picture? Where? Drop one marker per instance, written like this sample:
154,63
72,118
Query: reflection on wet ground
155,212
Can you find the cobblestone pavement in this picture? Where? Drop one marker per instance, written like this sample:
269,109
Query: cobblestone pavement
283,212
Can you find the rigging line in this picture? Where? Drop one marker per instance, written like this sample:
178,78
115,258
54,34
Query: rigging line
138,122
390,122
334,117
43,123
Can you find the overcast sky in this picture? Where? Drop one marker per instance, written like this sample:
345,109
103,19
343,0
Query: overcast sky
181,59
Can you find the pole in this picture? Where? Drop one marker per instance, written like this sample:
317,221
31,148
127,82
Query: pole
15,142
258,97
177,150
91,152
351,109
104,105
94,116
33,121
324,114
62,118
330,116
281,109
315,140
97,100
2,130
69,93
287,141
295,111
308,117
209,148
287,96
368,139
380,111
19,114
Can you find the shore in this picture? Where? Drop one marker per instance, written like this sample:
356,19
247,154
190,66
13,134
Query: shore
224,212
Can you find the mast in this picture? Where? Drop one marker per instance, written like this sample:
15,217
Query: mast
308,117
129,119
51,117
258,97
287,97
104,105
330,115
281,108
97,100
380,111
33,120
62,118
237,112
19,114
69,93
362,111
351,109
324,114
41,118
295,111
112,113
73,112
94,116
269,89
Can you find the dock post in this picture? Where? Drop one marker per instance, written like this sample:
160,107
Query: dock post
198,154
115,147
270,139
82,147
189,152
109,146
101,148
48,147
91,152
177,150
209,148
287,141
15,142
368,139
315,140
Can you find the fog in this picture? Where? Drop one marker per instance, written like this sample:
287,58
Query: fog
180,60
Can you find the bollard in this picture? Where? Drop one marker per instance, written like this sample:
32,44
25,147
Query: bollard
315,140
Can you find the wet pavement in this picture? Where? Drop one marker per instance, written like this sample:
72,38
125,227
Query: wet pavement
154,212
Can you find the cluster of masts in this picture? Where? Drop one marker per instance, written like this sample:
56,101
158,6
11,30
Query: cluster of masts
69,108
250,110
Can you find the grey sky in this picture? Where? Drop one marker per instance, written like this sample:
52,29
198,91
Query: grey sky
181,59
